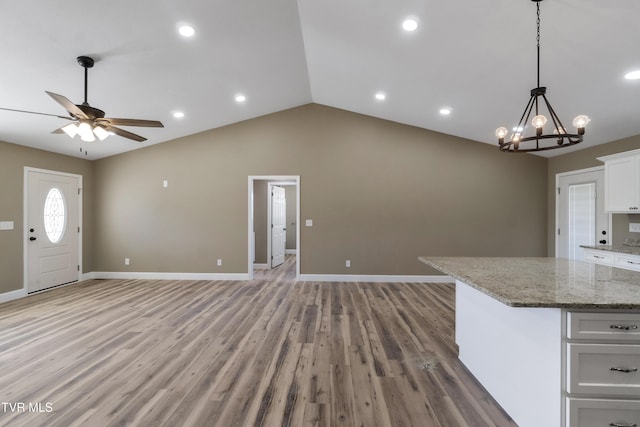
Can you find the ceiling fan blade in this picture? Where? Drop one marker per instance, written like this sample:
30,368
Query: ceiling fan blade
133,122
124,133
68,105
35,112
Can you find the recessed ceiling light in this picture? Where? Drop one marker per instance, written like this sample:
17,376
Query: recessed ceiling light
381,96
178,114
240,98
410,24
186,30
445,111
633,75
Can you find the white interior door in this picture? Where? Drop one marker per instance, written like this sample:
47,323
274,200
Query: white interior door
582,219
278,225
53,229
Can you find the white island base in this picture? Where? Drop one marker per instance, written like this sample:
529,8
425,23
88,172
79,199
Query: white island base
515,353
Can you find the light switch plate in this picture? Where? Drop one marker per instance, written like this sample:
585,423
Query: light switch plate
634,227
309,223
6,225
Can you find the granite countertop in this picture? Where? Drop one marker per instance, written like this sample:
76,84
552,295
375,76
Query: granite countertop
623,249
545,282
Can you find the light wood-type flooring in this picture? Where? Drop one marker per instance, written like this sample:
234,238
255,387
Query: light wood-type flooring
269,352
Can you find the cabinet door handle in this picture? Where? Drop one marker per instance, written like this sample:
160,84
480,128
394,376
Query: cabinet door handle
624,327
622,425
625,370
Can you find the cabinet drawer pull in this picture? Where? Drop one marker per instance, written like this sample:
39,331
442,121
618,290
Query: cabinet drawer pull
631,262
624,327
599,257
622,425
625,370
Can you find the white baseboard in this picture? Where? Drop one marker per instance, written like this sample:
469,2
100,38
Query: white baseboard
164,276
291,252
260,266
374,278
13,295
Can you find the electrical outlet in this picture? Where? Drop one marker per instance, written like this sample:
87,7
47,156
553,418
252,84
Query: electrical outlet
348,263
126,261
634,227
165,183
219,263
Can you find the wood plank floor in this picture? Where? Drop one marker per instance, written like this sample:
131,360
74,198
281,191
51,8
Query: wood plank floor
270,352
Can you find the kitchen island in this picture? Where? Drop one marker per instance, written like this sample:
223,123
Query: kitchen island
554,341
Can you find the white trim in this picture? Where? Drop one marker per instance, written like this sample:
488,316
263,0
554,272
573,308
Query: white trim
557,204
579,171
282,180
25,219
260,266
291,251
12,295
128,275
374,278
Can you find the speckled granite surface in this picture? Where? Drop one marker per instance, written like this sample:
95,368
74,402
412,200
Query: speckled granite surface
633,250
545,282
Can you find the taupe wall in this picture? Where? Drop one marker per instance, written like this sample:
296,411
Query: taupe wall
13,159
582,159
290,194
260,216
379,193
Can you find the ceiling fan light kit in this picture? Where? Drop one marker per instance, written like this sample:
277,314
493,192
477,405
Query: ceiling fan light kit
540,141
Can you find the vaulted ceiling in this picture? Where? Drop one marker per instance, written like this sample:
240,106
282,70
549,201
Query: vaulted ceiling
476,58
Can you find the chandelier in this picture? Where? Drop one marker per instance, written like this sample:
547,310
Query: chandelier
540,141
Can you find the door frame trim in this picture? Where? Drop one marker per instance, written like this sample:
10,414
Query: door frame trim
291,180
25,220
557,203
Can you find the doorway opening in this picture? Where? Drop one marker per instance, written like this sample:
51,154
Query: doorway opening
263,233
581,218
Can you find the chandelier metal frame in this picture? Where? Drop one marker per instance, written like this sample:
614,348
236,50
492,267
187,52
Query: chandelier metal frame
559,138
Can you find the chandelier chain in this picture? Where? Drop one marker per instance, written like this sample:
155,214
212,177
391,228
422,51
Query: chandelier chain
538,39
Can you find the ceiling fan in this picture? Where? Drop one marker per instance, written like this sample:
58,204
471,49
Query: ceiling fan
89,122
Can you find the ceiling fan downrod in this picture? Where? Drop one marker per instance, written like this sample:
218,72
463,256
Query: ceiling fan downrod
86,63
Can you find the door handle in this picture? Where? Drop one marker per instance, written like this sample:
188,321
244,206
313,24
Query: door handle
32,238
603,241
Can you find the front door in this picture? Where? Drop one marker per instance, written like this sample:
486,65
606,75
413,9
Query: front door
278,225
582,219
53,229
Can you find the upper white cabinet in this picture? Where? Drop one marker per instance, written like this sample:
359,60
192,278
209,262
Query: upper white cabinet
622,182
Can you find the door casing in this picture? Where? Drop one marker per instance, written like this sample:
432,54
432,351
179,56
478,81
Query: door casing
281,180
609,238
25,221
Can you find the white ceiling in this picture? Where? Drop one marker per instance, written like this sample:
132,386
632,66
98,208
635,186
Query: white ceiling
477,58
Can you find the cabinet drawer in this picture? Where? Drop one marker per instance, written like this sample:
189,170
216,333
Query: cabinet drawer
630,262
604,369
599,257
602,412
603,326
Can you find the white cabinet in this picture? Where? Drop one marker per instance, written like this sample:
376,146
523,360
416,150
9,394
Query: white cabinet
602,369
602,412
599,257
613,259
622,182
